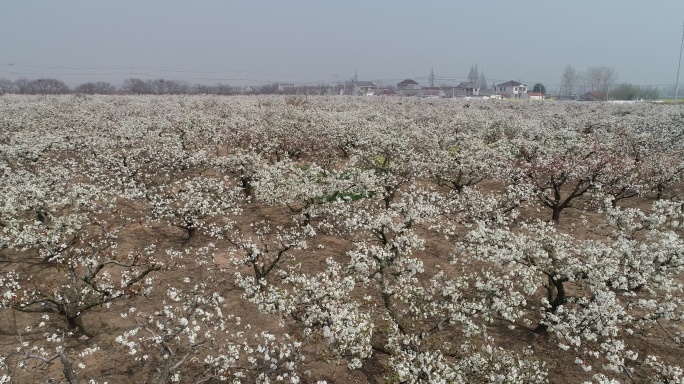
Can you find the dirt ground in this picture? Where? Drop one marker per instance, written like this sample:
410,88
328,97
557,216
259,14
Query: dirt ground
112,363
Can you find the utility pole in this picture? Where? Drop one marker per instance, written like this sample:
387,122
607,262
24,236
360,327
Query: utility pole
336,82
680,64
132,90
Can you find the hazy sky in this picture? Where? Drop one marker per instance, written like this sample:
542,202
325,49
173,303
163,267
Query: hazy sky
312,41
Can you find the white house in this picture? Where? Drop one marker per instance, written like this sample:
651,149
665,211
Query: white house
512,89
282,87
363,87
533,96
467,89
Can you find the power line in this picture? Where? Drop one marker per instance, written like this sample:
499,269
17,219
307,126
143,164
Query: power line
70,74
154,69
30,65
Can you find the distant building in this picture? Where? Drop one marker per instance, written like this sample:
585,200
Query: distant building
383,92
511,89
284,87
435,92
408,84
533,96
356,87
363,87
467,89
594,96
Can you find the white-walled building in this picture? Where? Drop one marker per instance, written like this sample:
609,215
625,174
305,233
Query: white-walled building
467,89
512,89
283,87
533,96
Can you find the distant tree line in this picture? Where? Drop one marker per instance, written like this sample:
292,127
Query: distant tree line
50,86
573,83
603,79
592,79
34,87
627,91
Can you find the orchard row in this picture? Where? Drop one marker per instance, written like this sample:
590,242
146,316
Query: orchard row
208,239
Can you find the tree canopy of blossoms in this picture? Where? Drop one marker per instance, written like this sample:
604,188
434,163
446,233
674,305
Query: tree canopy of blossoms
207,239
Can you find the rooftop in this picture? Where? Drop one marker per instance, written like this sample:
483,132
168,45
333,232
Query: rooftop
510,84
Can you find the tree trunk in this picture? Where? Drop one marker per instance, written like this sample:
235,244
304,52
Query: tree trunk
556,298
75,324
660,188
192,231
560,292
555,215
67,368
307,220
246,186
164,373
